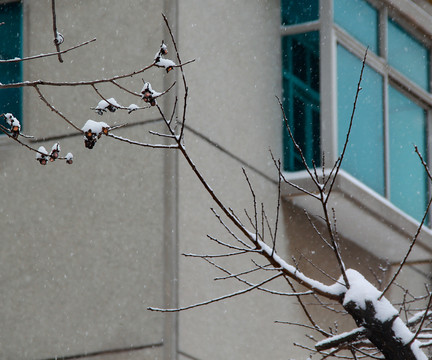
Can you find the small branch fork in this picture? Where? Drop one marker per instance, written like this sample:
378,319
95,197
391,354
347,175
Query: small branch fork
92,83
58,38
3,61
321,187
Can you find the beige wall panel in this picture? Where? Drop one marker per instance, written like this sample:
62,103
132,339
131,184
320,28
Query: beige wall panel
233,85
81,251
237,74
241,327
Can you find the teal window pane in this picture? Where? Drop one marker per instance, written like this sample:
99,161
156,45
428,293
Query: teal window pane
10,47
299,11
364,158
301,99
407,127
359,19
408,55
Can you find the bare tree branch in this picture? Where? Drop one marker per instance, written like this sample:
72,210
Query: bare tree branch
211,301
413,241
15,60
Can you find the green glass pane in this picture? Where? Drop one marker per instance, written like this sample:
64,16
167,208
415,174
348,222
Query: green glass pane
359,19
364,158
407,127
299,11
301,99
408,55
11,47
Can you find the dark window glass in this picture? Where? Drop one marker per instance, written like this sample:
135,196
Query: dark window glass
299,11
11,47
301,98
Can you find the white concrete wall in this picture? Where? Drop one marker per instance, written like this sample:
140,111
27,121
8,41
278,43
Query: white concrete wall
82,246
81,249
233,85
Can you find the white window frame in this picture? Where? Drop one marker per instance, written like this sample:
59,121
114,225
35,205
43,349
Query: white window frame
379,225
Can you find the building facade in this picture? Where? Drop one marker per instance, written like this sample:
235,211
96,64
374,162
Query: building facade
87,248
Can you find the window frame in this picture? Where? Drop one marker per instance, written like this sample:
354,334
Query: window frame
370,206
331,36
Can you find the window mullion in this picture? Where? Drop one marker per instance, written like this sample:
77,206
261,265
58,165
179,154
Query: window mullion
386,129
383,14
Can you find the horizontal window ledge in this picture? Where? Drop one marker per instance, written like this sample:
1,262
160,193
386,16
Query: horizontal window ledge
364,217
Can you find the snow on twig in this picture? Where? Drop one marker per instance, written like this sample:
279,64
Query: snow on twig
424,317
337,340
211,301
138,143
329,291
46,55
58,38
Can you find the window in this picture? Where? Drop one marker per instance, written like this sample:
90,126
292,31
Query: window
11,47
301,97
393,106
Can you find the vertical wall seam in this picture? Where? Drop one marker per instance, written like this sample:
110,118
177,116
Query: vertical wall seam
170,223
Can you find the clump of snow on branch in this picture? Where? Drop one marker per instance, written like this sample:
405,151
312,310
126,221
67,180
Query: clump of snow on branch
132,107
148,94
55,151
362,291
93,130
59,39
14,124
69,158
405,335
160,61
110,104
42,155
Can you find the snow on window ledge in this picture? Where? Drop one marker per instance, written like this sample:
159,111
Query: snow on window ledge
364,217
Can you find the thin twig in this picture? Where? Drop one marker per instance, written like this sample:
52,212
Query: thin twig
305,310
6,131
426,167
254,203
422,321
277,209
229,230
185,87
46,55
211,301
273,292
133,142
229,246
296,145
57,42
55,110
292,184
204,256
342,155
74,83
413,241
